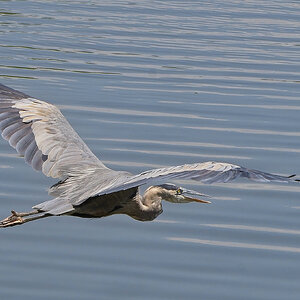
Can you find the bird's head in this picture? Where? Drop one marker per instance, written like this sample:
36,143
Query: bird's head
175,194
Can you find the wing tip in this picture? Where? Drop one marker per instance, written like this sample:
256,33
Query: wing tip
292,177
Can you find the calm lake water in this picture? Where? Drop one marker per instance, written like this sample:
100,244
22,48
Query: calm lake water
149,84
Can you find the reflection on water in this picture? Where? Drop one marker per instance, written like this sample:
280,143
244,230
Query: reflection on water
194,144
152,84
255,228
236,244
176,153
135,113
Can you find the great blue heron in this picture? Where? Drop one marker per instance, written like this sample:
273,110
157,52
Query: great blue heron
87,188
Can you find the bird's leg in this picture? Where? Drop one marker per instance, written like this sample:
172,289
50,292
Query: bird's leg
20,218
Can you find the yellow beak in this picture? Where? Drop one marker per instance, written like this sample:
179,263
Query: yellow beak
196,200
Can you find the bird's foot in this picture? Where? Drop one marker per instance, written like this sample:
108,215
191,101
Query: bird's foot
14,219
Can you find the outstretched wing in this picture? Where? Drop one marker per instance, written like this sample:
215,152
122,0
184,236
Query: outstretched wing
40,133
206,172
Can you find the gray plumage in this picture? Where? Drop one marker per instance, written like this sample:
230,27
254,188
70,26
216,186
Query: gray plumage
87,188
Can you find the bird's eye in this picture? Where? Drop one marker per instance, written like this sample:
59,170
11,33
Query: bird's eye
179,191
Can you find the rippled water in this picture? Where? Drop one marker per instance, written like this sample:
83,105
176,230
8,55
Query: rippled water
149,84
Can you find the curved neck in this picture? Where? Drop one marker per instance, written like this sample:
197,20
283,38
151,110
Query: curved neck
147,207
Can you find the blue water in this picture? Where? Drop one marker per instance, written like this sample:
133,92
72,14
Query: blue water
149,84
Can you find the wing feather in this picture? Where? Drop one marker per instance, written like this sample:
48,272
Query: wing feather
24,142
30,152
18,135
6,115
10,130
8,121
37,160
41,134
207,172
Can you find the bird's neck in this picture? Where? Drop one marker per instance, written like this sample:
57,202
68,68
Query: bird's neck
148,206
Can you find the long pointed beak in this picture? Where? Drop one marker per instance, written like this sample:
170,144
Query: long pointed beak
196,200
194,193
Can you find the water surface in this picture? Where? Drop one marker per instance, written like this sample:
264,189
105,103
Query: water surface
149,84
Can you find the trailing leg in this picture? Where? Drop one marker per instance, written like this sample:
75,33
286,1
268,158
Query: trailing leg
21,218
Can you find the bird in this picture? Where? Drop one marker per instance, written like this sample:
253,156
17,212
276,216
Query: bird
87,188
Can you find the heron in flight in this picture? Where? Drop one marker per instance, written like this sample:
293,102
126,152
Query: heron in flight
87,188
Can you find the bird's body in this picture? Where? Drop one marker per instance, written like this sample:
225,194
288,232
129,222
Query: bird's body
106,205
87,188
128,202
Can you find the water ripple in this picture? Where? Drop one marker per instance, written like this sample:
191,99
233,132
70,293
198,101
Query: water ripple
236,244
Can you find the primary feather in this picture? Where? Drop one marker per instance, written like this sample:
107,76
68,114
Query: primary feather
40,133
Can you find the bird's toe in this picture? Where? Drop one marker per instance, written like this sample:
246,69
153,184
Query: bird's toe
12,220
